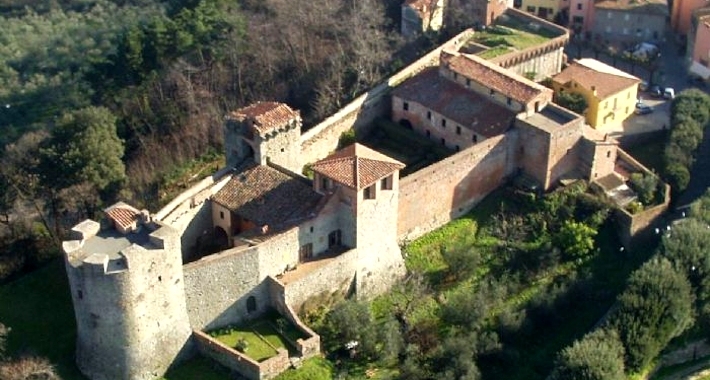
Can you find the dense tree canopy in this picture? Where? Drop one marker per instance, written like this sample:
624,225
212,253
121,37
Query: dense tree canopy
656,306
597,356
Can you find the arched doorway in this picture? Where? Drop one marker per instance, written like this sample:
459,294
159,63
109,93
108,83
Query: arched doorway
220,238
406,124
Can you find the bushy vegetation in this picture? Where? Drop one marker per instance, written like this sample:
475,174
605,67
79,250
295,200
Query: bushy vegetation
690,113
597,356
483,291
572,101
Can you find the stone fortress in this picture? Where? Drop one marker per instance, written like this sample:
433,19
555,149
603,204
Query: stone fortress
144,291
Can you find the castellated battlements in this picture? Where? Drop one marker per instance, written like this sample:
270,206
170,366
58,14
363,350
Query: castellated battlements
125,275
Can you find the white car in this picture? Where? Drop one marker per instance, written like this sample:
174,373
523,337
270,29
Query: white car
669,93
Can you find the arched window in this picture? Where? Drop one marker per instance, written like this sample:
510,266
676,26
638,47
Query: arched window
251,304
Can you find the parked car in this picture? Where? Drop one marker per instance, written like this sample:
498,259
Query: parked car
643,86
655,91
669,93
644,50
643,109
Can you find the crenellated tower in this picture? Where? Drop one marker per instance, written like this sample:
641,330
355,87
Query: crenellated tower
264,131
126,280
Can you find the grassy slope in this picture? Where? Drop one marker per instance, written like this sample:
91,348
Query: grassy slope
38,309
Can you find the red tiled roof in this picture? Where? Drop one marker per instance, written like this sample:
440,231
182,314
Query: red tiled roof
606,84
357,166
266,115
493,76
268,196
467,108
123,215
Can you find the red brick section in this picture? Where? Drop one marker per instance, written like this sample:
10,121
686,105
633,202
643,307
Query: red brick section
266,115
605,84
357,166
494,77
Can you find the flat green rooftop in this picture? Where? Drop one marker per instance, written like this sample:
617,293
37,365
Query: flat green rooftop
509,34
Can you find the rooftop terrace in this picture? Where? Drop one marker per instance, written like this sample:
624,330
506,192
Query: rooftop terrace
507,35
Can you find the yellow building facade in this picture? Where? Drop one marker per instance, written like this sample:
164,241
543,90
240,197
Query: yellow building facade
611,94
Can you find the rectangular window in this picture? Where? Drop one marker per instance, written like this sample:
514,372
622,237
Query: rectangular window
428,115
468,82
510,101
492,92
443,123
369,192
608,15
443,142
579,6
626,17
386,183
324,183
306,252
335,238
405,106
456,75
531,9
475,138
458,130
221,215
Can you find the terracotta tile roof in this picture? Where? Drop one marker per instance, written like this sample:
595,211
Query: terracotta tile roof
467,108
493,76
123,215
656,7
268,196
266,115
357,166
606,83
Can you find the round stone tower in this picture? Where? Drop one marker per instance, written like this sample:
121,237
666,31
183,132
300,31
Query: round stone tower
129,299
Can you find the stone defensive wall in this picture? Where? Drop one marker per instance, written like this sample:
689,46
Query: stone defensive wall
635,226
308,347
238,362
443,191
335,274
190,212
322,139
544,59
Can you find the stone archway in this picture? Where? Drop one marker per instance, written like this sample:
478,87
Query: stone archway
406,124
220,238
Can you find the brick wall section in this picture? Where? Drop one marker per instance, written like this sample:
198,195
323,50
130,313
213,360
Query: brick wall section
239,362
359,114
632,227
435,195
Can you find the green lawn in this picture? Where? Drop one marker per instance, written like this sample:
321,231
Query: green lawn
257,348
38,309
508,36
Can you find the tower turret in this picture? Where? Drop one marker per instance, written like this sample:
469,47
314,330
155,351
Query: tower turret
370,184
264,131
129,299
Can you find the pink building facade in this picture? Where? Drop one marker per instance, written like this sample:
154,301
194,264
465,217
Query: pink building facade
581,15
682,14
699,44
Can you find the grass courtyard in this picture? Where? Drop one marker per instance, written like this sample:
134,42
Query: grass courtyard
262,338
510,35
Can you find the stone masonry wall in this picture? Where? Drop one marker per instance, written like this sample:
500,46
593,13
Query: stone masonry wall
217,287
308,347
359,114
448,189
336,275
236,361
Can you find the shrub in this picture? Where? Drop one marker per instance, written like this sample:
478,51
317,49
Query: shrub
347,138
597,356
645,185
